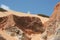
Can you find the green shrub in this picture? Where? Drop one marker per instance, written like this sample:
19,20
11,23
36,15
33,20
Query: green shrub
43,15
2,10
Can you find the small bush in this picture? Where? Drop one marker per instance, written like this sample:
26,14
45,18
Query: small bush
43,15
2,10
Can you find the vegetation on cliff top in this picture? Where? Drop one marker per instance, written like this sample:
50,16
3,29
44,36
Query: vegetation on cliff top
43,15
2,10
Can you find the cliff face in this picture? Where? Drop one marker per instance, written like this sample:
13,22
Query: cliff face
24,22
21,26
53,25
12,22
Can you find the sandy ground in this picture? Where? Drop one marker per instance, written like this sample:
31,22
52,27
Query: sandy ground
36,37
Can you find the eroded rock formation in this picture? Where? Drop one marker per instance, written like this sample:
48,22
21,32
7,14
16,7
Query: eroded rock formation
27,24
53,25
19,25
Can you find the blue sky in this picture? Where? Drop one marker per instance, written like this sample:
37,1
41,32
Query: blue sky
34,6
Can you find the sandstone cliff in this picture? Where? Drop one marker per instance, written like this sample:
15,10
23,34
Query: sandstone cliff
27,23
53,24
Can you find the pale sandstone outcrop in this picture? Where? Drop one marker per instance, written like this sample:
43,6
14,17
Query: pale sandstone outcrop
53,24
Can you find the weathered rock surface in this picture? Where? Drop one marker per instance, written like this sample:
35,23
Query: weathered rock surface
27,23
33,27
53,25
